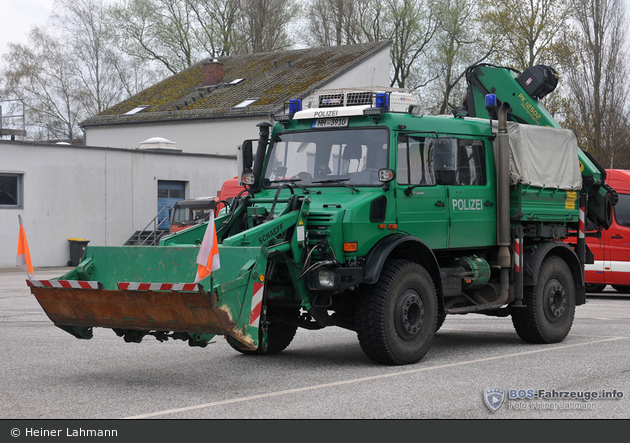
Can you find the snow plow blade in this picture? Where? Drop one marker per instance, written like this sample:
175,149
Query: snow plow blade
159,305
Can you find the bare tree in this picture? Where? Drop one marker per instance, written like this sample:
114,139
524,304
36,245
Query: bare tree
40,75
264,24
412,25
529,31
156,30
409,24
459,44
335,22
370,16
217,25
99,68
69,71
598,84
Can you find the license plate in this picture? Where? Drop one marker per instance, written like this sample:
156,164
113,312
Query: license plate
330,122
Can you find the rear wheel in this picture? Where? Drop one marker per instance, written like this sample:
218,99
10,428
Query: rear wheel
550,305
279,335
397,316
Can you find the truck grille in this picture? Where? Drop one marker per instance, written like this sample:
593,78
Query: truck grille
318,225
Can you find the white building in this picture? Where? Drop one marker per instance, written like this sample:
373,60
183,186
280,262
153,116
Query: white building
100,194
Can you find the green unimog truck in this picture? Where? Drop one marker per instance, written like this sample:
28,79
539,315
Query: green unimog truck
360,212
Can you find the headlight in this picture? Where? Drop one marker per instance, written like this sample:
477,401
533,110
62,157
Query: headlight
326,278
323,279
247,179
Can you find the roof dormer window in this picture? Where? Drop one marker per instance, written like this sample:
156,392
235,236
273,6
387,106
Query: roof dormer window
246,103
136,110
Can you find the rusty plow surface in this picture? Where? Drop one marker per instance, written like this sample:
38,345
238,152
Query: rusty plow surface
138,310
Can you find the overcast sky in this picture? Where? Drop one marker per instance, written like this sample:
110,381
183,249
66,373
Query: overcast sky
18,16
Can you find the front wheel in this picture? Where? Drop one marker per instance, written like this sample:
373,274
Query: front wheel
397,316
440,321
550,305
279,335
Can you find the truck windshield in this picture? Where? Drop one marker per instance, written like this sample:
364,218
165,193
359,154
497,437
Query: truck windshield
183,215
328,157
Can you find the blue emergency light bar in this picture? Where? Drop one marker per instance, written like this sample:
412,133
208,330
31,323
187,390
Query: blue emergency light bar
381,100
295,105
491,100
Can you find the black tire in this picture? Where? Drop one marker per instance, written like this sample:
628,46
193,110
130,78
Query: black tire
440,321
621,288
594,288
550,305
279,335
397,316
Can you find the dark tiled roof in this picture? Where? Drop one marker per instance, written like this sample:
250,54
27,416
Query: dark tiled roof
272,77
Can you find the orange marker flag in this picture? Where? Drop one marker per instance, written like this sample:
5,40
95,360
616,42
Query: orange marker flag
23,259
208,257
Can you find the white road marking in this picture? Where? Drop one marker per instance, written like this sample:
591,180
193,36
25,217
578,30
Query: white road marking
362,379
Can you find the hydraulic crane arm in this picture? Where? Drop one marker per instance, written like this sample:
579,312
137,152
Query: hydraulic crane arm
522,92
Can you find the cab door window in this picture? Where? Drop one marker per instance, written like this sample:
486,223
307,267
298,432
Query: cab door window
471,163
415,161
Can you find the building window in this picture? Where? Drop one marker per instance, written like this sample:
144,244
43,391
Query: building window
11,191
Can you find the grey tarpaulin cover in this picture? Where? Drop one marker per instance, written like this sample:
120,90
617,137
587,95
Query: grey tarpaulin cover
544,157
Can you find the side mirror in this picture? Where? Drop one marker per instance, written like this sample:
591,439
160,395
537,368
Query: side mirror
244,162
386,175
445,160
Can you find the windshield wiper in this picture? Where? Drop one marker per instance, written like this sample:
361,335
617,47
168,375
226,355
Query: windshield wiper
338,181
292,182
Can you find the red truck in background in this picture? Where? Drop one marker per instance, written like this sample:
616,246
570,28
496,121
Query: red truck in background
611,248
187,213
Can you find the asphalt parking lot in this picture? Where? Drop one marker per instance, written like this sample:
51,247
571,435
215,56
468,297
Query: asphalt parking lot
48,374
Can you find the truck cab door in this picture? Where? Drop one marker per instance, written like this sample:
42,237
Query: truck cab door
421,201
617,259
472,197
